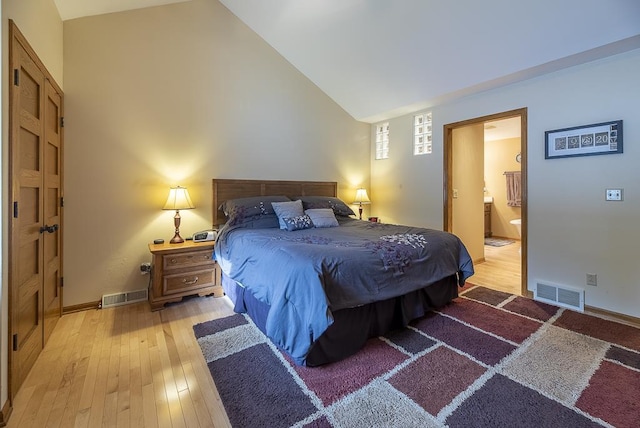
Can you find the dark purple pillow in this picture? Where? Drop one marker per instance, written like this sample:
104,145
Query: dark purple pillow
250,210
338,206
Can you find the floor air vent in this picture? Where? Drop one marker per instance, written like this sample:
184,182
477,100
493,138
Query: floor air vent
117,299
567,297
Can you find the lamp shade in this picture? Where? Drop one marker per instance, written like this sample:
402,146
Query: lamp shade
178,199
361,197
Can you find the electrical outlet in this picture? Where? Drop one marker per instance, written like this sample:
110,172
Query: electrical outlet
145,268
614,194
592,279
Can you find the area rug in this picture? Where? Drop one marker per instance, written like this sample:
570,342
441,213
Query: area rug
498,242
489,359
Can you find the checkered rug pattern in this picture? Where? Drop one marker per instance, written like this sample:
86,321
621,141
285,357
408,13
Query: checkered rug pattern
489,359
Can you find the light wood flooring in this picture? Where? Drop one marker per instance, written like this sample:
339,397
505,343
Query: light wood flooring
124,367
130,367
501,269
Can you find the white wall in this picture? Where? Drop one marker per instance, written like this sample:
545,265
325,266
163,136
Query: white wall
572,230
178,95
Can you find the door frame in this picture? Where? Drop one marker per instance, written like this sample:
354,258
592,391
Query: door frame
448,178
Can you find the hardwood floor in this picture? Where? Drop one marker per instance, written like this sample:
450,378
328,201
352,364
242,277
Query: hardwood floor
130,367
124,367
501,269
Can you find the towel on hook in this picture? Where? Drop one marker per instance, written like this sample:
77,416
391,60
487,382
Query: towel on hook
514,195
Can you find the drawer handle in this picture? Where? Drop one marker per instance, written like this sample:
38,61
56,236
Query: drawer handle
184,281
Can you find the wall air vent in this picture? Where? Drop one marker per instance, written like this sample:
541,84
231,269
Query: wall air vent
118,299
559,295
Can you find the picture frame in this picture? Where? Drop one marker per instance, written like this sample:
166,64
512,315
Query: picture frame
588,140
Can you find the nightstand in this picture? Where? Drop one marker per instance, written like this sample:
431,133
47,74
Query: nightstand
180,270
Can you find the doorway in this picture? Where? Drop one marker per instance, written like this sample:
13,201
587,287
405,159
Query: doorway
464,207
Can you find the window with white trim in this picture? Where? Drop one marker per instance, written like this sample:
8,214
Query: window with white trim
382,141
422,137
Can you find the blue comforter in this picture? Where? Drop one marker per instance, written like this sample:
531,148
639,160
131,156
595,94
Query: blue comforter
306,275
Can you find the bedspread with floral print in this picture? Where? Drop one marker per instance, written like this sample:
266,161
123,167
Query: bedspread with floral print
305,275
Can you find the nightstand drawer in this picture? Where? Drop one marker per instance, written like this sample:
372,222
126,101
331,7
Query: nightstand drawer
192,258
192,280
180,270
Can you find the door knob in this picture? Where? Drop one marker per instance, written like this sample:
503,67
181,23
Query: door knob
49,229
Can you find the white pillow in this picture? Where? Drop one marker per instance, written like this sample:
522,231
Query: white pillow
287,210
322,217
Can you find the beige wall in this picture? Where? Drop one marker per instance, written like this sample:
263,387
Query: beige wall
500,156
572,230
402,186
40,23
178,95
467,184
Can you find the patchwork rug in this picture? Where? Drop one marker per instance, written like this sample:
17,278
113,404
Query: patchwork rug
498,242
489,359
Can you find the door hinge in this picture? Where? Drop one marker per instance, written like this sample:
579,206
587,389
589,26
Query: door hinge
15,342
15,209
61,281
61,122
16,77
61,202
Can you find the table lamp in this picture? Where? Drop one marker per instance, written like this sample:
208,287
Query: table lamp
361,199
178,200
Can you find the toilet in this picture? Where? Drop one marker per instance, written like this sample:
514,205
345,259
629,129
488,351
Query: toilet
517,223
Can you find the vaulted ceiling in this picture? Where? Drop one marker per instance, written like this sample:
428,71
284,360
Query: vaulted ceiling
382,58
70,9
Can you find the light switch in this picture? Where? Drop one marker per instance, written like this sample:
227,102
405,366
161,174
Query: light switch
613,194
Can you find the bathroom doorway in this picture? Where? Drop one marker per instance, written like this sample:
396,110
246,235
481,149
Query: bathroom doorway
480,201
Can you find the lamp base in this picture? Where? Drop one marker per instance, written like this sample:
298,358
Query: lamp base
177,239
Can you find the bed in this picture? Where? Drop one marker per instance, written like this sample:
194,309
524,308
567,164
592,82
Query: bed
317,292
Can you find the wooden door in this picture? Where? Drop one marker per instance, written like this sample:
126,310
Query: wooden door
51,207
35,146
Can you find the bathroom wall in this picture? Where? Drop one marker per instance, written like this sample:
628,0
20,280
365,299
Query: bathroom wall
500,156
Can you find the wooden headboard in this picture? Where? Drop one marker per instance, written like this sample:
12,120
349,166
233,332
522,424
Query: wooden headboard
225,189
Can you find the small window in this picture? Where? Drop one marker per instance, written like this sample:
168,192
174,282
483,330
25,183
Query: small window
422,137
382,141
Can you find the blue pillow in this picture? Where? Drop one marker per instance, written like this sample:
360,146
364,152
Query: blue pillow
338,207
287,210
298,222
322,217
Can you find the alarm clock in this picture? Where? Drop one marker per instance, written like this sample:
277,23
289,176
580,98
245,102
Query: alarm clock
205,235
